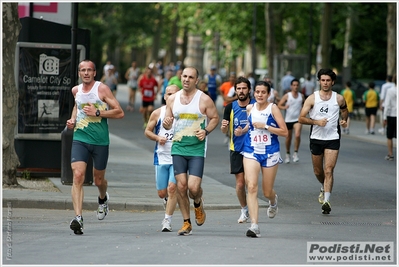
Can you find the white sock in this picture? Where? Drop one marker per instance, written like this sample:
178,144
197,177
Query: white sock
244,209
168,217
327,196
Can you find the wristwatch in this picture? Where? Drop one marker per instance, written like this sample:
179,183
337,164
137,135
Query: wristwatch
267,127
206,132
97,113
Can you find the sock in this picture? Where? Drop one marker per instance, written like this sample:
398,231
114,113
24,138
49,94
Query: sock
102,201
196,205
327,196
244,209
168,217
187,220
79,217
322,187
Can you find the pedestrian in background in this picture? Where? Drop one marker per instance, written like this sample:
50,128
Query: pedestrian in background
286,81
350,99
165,82
292,103
177,78
390,115
94,105
213,81
388,83
110,79
273,96
324,108
132,75
261,152
195,116
149,88
308,86
371,101
164,172
235,116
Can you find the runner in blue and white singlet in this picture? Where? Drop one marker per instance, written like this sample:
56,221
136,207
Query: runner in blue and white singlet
260,144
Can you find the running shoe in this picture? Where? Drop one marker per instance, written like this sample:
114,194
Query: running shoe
272,210
295,157
102,210
253,231
244,216
326,207
388,157
76,225
186,229
287,158
166,226
200,215
321,196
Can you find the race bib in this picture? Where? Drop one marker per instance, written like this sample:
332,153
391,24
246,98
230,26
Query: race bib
148,93
260,138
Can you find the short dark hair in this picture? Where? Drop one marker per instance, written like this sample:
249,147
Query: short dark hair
294,80
265,84
371,85
348,83
242,79
328,72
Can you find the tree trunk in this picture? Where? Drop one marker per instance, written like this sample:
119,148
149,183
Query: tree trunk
11,28
391,39
325,35
270,51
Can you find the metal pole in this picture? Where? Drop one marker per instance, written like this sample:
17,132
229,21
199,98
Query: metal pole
74,30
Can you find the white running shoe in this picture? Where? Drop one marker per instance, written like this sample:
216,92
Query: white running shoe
244,217
253,231
102,210
272,210
166,225
287,158
295,157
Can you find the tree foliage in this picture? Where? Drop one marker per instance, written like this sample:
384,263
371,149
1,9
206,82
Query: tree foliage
128,26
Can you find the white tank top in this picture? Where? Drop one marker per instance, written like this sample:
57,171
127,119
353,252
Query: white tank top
325,109
294,107
163,152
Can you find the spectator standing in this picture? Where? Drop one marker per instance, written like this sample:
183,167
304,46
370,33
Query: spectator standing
286,81
110,79
388,83
324,108
235,116
213,81
350,100
132,75
390,116
292,103
308,86
371,101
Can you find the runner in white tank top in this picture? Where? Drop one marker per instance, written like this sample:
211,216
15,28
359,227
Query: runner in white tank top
324,108
292,103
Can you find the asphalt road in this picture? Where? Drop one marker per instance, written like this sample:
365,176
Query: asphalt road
363,201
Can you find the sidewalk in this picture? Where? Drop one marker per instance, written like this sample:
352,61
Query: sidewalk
132,183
